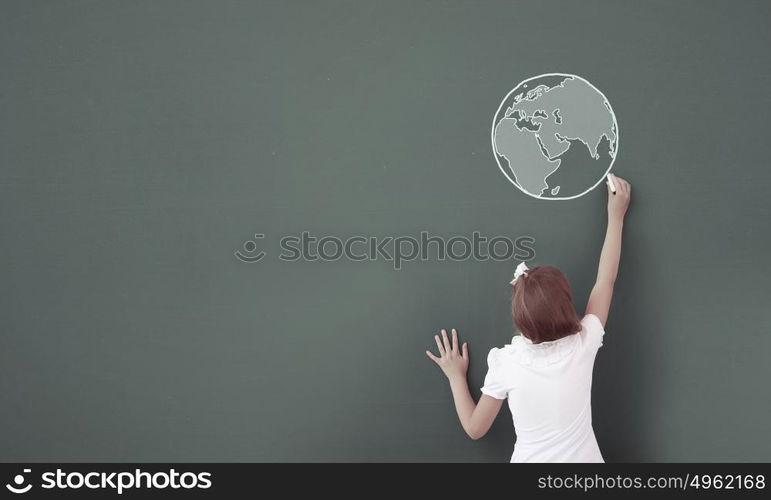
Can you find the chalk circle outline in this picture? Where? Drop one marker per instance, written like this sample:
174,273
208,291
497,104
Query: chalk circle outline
509,174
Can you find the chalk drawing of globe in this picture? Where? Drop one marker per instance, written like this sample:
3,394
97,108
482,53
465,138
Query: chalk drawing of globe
555,136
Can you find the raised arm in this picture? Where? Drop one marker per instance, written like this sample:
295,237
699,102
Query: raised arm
602,292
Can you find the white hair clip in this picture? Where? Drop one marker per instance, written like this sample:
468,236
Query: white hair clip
521,270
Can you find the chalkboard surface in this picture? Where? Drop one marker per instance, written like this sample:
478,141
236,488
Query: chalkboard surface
142,144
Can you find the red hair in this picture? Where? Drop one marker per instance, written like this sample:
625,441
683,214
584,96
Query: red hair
542,305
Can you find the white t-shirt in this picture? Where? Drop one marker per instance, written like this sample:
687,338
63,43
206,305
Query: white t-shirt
549,387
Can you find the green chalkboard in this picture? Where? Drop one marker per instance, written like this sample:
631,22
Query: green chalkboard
143,144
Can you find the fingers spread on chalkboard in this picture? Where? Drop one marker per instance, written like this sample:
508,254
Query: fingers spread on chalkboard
446,341
439,345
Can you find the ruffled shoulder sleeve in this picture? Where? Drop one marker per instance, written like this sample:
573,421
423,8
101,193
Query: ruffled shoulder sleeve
592,330
495,384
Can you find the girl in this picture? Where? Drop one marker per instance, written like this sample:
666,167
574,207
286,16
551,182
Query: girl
546,372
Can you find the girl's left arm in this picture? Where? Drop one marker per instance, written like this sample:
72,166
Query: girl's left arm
476,419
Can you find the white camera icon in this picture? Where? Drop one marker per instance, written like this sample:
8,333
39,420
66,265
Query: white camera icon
18,481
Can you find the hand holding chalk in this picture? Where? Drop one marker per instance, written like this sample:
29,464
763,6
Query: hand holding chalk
611,185
619,196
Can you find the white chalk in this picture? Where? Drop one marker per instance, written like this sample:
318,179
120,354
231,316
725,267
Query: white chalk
610,183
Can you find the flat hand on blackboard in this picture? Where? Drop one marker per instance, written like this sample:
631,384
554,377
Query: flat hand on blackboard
475,419
452,360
